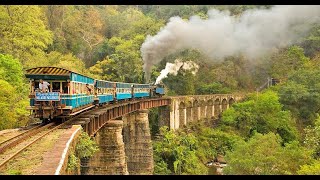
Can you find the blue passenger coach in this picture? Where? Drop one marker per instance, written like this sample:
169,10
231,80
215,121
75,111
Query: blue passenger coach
71,93
141,90
105,91
74,92
123,90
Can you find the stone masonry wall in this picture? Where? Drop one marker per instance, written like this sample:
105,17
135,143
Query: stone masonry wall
138,145
110,160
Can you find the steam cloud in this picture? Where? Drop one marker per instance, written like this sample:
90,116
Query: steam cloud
174,68
256,32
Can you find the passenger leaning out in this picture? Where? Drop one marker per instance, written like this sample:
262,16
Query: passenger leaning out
44,86
88,89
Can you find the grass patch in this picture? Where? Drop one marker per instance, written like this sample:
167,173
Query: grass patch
28,161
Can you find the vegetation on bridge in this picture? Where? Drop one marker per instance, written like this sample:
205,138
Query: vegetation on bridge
85,148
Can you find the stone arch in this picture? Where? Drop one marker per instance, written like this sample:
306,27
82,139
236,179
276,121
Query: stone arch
224,104
209,108
189,112
195,111
182,114
216,106
203,106
231,101
182,105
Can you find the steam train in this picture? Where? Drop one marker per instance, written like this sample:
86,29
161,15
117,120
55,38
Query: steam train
71,93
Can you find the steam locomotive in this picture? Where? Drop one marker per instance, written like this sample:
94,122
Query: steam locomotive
71,93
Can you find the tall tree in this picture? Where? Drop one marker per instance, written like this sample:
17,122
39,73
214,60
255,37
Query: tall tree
300,94
264,155
23,33
261,113
13,93
287,61
77,29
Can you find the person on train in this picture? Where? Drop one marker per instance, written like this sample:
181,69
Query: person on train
44,86
88,89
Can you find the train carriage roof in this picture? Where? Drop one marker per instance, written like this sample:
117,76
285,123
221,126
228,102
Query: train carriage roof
49,73
141,85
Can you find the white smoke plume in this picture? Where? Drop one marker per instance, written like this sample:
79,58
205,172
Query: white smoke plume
174,68
256,32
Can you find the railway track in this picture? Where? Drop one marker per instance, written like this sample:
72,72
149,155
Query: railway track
14,146
9,143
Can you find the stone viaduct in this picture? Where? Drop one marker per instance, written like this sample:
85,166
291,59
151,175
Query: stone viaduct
123,134
185,109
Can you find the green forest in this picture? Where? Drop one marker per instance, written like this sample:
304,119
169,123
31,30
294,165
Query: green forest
274,131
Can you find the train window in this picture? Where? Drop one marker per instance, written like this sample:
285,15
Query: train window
65,87
78,88
36,85
72,88
83,88
55,86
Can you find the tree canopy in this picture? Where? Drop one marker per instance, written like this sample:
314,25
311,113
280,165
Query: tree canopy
274,131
